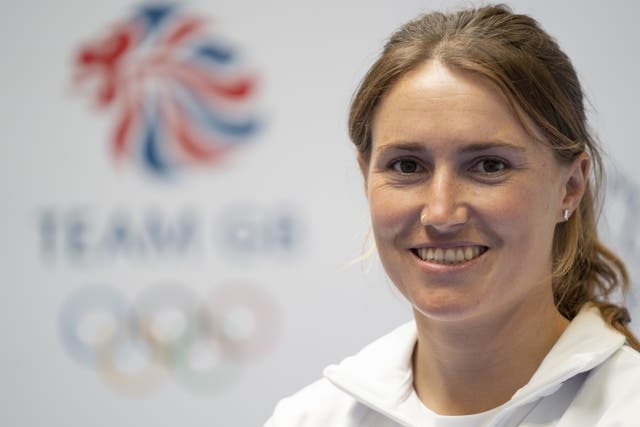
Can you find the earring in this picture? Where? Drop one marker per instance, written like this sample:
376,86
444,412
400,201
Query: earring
566,214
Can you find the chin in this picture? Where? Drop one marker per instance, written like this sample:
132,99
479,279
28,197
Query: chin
446,311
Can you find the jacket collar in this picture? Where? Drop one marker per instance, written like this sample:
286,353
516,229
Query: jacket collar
586,343
381,377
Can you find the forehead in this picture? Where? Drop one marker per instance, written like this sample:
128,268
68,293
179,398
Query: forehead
437,103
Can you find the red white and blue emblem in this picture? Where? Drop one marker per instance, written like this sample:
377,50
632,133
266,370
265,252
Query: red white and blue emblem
180,94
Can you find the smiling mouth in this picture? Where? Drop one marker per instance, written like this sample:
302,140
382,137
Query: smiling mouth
456,255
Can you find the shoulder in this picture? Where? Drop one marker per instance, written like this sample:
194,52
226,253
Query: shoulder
377,374
318,404
612,390
619,371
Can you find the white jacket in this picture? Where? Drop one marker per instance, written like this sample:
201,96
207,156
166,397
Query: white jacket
589,378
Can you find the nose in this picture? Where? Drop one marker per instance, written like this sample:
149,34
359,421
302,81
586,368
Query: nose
444,209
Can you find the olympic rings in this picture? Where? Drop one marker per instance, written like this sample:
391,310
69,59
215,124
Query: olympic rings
224,303
77,307
204,343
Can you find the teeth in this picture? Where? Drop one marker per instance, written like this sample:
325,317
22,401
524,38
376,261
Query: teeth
468,252
450,255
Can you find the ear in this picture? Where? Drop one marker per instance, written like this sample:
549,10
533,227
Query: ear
576,179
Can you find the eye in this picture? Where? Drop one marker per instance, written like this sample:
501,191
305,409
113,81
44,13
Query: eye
490,166
406,166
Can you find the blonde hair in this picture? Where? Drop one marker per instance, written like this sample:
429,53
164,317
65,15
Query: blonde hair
539,81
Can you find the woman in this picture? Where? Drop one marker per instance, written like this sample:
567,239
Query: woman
481,177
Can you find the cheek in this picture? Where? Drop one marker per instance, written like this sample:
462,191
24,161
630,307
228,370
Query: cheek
524,220
393,212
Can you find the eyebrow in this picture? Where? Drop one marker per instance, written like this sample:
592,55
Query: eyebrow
483,146
471,148
404,146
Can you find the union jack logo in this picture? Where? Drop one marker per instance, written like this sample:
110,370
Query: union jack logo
180,94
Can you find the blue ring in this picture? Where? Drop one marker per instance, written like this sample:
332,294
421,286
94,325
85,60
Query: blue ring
79,304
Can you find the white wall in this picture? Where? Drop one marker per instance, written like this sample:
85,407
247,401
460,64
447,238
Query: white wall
293,189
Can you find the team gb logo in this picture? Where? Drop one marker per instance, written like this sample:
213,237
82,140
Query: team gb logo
179,93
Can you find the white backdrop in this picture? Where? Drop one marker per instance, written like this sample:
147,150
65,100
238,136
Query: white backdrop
265,237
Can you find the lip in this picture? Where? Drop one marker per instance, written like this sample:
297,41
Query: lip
447,268
447,245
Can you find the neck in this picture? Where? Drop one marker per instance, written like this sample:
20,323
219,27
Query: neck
471,366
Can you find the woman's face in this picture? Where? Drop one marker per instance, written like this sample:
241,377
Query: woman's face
463,200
